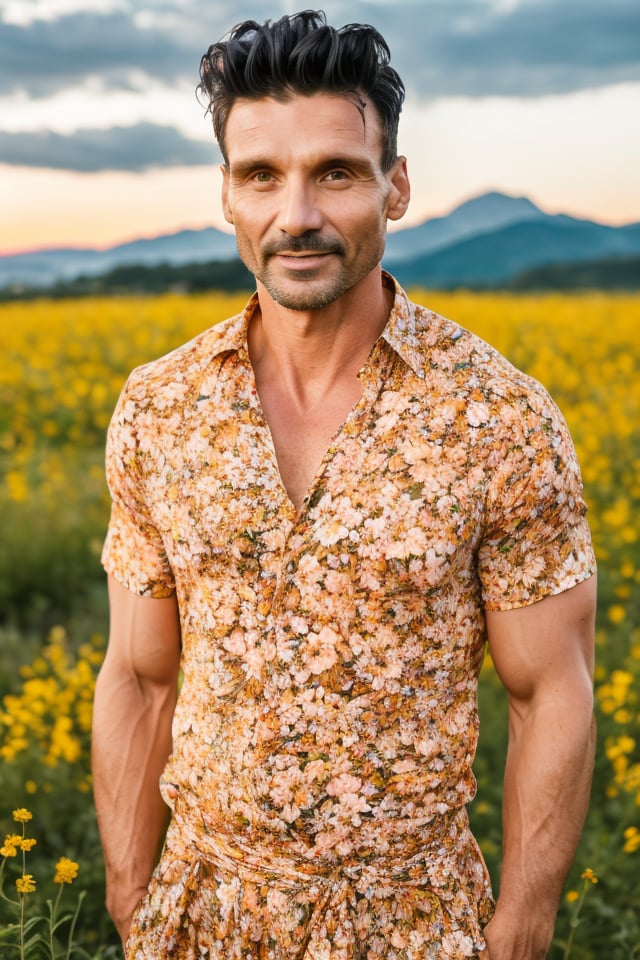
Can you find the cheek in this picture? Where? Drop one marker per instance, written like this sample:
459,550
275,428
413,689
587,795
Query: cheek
367,225
253,216
362,207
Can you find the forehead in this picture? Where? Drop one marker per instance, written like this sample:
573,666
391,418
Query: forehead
321,123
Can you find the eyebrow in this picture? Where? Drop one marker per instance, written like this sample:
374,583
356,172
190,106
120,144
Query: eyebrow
246,166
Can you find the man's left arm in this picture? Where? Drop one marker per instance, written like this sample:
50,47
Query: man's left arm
543,654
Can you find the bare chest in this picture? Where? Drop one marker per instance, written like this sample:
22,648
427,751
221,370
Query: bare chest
301,437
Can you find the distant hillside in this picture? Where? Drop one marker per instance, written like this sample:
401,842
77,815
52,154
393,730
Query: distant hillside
45,267
229,275
475,217
485,242
611,273
42,268
494,259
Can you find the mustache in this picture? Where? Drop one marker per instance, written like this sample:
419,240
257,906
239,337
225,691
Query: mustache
305,243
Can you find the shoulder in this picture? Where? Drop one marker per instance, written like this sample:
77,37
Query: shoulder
172,380
454,361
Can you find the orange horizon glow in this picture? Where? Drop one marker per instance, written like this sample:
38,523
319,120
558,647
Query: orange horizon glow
101,210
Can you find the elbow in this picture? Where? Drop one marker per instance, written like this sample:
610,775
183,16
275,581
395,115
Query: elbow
120,686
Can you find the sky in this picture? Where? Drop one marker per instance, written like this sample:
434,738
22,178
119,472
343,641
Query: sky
102,139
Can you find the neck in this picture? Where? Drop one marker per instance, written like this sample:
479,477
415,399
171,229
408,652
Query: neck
310,351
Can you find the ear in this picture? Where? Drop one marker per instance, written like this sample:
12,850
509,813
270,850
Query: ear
226,202
400,189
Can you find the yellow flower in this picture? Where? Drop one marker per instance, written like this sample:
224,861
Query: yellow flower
631,840
617,613
22,815
619,747
27,843
26,884
572,896
622,678
66,871
623,717
588,874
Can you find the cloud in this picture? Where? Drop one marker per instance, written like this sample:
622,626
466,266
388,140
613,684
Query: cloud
540,48
527,49
163,41
442,47
466,48
136,148
43,58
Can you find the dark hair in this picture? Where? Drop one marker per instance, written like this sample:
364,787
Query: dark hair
302,54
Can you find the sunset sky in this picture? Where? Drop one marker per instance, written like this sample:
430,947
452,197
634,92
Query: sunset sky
102,139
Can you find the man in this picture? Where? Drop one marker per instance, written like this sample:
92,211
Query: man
322,508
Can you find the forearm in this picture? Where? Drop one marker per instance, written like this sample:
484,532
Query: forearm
546,793
131,744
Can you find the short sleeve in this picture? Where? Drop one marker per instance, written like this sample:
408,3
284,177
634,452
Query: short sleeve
133,551
536,540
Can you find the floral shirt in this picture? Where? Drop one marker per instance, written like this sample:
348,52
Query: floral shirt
326,724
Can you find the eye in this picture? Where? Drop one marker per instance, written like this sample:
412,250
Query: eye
335,176
262,176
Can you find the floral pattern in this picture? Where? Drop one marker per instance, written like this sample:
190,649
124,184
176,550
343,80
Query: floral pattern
327,721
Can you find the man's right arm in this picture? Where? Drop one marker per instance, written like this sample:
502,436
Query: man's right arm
135,699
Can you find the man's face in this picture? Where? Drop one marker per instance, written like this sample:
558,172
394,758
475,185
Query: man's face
307,196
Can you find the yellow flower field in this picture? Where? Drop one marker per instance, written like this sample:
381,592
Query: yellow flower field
61,368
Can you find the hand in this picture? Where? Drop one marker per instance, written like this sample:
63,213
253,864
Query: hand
514,941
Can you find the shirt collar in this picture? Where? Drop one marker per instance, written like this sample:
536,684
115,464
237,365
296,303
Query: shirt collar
402,331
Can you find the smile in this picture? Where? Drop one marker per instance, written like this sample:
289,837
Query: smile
304,261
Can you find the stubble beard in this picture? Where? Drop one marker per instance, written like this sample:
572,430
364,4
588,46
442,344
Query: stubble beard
307,295
305,291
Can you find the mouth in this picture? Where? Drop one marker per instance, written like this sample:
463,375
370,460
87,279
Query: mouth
305,260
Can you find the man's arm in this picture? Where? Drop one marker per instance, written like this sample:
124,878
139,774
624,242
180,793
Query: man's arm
543,654
134,702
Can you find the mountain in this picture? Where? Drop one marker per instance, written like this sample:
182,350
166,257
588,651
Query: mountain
134,279
495,258
485,241
44,267
484,214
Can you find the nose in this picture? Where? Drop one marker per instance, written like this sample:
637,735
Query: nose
299,212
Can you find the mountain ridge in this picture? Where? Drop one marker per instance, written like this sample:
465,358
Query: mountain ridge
498,257
478,215
474,241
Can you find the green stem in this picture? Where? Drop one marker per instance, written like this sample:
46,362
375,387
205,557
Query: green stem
22,896
3,896
52,920
72,928
574,921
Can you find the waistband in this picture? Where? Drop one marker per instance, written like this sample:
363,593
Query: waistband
396,849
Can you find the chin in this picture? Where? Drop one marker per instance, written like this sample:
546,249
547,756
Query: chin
309,292
303,302
304,293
